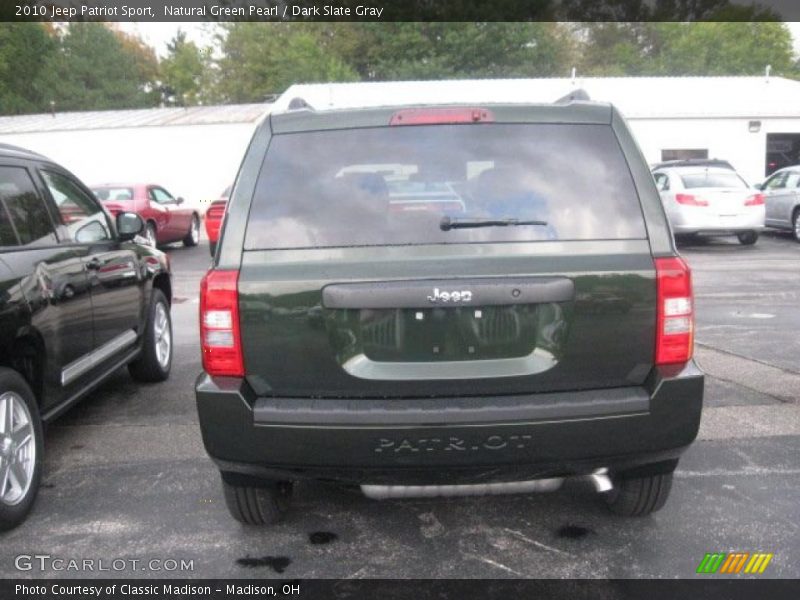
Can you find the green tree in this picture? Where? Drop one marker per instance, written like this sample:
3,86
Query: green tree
98,68
25,49
260,59
265,58
669,48
186,72
720,48
449,50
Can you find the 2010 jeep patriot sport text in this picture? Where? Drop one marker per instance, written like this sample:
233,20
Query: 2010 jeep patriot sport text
442,300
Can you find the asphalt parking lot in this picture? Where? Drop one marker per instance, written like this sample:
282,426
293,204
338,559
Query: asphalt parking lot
126,476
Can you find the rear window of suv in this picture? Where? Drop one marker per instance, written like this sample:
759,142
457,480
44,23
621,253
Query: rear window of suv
394,186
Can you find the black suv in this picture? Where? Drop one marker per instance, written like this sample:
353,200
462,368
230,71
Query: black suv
78,299
446,300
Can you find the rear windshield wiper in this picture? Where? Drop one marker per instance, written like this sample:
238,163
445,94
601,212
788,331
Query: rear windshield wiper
446,224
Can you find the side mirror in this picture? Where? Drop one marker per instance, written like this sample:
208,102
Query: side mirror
179,199
129,225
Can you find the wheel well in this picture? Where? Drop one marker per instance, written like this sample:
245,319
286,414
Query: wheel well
162,283
27,358
795,211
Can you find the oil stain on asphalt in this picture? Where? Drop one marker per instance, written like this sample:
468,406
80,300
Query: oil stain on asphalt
277,563
322,537
573,532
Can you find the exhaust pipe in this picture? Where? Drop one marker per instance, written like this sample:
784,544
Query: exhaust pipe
600,480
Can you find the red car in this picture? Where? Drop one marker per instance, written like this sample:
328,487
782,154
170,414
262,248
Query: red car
166,221
214,216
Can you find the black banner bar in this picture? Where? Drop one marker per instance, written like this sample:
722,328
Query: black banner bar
398,10
374,589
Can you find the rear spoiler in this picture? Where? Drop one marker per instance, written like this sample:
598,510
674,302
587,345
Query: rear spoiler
575,95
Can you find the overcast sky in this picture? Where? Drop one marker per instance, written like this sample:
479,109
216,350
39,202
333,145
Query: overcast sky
158,34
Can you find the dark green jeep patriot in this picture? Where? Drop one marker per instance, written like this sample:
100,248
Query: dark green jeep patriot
435,300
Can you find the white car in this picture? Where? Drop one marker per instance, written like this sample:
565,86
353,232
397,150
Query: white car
708,197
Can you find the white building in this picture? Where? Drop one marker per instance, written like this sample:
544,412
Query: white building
193,152
754,122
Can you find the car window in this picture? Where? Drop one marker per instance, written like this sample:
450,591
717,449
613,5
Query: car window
8,237
394,186
712,179
776,182
792,180
161,196
112,194
662,182
24,219
82,216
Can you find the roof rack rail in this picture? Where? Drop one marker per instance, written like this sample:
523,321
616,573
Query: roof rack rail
579,94
694,162
299,104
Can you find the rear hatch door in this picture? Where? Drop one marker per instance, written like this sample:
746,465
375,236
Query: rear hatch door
533,276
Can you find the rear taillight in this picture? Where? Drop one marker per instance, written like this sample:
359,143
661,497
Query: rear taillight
438,116
755,200
675,313
216,210
690,200
219,324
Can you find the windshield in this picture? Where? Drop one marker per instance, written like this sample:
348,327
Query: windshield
111,194
394,185
713,179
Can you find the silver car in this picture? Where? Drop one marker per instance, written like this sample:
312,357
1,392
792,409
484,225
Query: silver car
782,194
708,197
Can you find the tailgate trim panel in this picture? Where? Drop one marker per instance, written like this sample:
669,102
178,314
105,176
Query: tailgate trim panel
504,291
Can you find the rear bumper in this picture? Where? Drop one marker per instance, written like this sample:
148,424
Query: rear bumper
714,231
449,441
689,221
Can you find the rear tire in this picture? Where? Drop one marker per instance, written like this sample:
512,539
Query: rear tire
193,237
19,459
155,361
257,505
747,238
639,496
796,224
